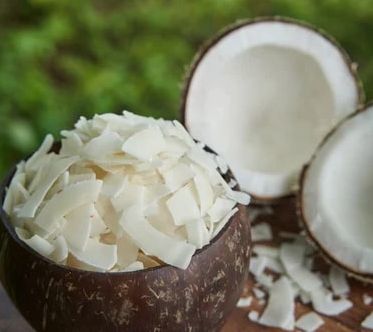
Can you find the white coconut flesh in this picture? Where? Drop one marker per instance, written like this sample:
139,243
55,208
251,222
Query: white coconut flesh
264,95
337,193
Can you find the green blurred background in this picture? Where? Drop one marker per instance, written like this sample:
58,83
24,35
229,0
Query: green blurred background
63,58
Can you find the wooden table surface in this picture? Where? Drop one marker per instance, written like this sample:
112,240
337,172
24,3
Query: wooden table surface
283,218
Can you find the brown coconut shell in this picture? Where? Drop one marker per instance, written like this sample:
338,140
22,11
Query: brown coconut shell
57,298
224,32
303,222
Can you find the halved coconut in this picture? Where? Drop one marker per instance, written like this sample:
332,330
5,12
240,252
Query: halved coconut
263,94
336,196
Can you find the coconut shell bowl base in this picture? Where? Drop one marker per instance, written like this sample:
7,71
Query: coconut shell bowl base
283,218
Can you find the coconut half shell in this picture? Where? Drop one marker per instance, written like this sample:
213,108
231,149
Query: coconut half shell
55,298
263,93
335,199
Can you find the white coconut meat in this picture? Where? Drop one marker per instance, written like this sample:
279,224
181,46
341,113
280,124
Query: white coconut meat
263,95
336,194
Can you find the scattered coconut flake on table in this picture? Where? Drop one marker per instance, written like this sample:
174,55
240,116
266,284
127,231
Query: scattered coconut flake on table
280,309
367,299
368,322
309,322
338,281
124,192
261,232
244,302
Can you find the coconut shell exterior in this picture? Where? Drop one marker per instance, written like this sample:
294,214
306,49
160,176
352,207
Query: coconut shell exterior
58,298
303,223
209,44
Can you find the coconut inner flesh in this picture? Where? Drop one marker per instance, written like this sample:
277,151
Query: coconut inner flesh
271,106
338,191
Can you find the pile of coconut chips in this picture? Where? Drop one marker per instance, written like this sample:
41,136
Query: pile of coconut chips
123,193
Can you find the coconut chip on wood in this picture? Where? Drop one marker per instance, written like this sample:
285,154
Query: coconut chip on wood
124,192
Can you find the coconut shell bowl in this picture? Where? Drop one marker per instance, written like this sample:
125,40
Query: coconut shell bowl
53,297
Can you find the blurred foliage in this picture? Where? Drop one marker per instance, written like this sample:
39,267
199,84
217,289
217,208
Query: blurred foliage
61,58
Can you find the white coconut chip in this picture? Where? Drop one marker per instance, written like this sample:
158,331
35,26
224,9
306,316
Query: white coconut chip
183,205
263,250
97,224
244,302
135,266
367,299
34,161
220,225
40,245
127,251
232,183
61,250
338,281
145,144
259,294
280,309
113,184
322,301
368,322
204,190
292,255
257,265
131,194
28,210
261,232
78,227
197,233
306,280
100,147
220,208
253,316
154,242
309,322
98,255
66,201
177,176
265,280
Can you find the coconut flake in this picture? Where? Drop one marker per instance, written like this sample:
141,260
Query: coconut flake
244,302
257,265
113,184
292,255
323,303
368,321
204,190
183,206
253,316
223,222
61,250
56,169
78,227
367,299
178,176
40,245
66,201
309,322
265,280
145,144
127,251
306,280
262,250
280,309
338,281
131,194
155,242
96,254
259,294
197,233
135,266
220,208
261,232
34,161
